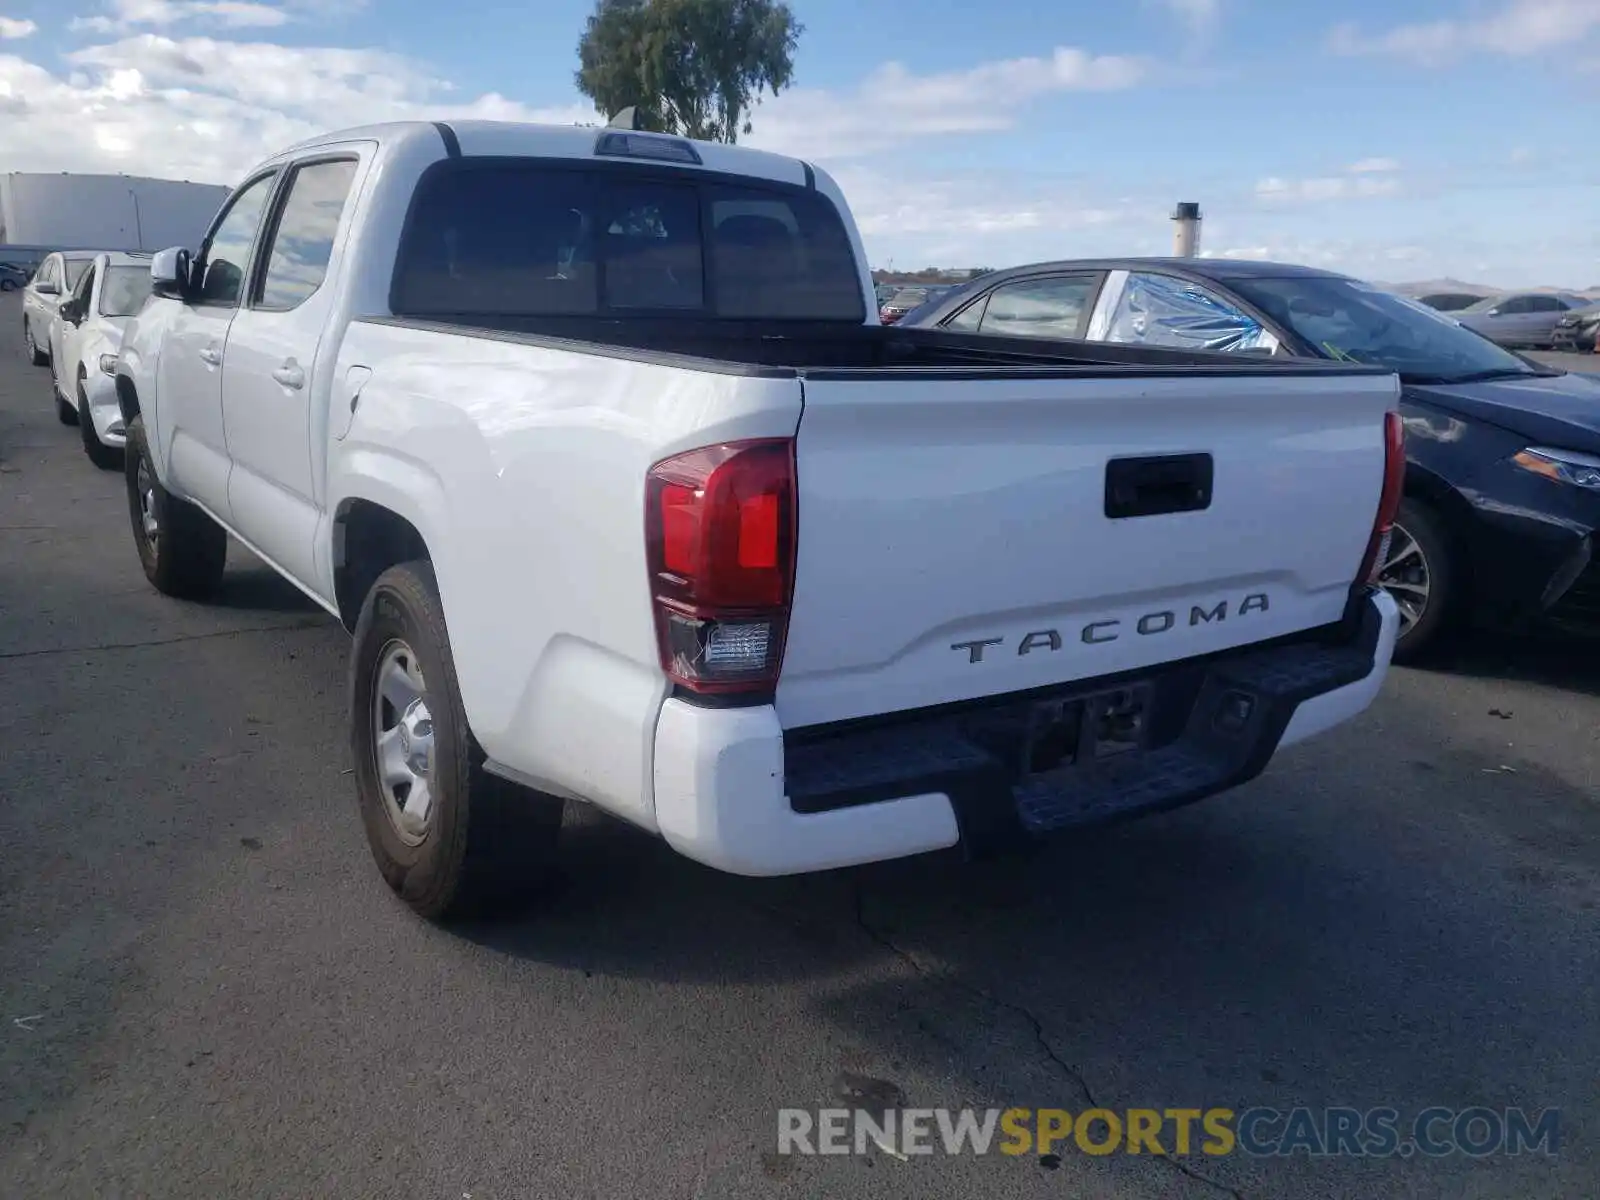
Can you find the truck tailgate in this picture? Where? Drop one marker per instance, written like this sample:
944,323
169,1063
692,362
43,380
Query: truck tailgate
971,536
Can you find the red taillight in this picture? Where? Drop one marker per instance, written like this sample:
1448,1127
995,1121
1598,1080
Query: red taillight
720,537
1394,477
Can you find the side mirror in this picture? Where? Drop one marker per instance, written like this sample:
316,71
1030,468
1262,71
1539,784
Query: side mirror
169,274
68,311
47,289
1494,312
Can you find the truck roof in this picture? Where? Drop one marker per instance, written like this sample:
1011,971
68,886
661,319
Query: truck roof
520,139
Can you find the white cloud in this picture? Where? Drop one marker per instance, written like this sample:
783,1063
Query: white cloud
1201,17
1364,180
197,108
160,14
1518,28
1331,187
894,105
15,28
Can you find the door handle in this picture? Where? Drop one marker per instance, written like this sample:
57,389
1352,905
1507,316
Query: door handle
290,375
212,356
1158,484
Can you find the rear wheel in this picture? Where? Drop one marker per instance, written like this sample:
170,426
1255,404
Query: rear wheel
450,838
182,551
107,458
1419,572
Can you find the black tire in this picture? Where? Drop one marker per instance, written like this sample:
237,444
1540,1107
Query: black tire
487,845
107,458
36,356
186,555
1430,627
65,413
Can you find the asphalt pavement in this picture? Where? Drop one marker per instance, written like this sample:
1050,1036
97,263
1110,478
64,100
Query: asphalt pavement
206,989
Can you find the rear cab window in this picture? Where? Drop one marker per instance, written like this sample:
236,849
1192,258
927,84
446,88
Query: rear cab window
530,237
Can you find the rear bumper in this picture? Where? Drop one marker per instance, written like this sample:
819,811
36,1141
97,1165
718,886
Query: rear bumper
732,792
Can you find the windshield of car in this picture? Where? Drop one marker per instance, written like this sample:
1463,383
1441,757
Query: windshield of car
75,269
1354,322
124,291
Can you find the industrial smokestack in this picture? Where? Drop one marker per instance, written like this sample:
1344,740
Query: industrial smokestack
1186,229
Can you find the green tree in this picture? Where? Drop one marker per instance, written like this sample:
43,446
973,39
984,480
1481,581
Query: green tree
691,67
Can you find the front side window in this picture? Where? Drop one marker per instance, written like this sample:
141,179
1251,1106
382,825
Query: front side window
124,291
84,288
1164,310
1053,307
529,239
226,255
302,243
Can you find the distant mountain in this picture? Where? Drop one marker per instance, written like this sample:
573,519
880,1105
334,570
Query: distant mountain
1429,286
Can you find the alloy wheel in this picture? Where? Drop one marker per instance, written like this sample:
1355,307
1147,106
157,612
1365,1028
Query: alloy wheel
1406,576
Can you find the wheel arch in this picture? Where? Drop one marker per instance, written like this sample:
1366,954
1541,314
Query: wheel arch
369,537
127,399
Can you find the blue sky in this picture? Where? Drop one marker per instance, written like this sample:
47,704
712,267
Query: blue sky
1400,141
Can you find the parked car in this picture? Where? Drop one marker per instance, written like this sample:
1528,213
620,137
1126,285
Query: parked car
57,275
1450,301
1502,493
1578,331
12,277
819,593
902,302
83,356
1526,319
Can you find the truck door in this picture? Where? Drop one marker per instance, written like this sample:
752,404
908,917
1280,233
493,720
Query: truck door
272,403
189,375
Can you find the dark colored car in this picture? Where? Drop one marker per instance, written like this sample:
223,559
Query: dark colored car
1578,332
1450,301
13,278
1502,499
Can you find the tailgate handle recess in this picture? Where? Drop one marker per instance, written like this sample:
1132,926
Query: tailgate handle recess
1162,483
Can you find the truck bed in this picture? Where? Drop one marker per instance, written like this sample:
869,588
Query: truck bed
824,350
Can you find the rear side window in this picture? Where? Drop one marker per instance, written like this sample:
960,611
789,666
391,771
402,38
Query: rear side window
1052,307
529,239
302,243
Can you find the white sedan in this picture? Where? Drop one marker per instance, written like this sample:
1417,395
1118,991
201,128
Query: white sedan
83,353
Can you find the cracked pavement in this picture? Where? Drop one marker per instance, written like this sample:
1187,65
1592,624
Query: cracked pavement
205,988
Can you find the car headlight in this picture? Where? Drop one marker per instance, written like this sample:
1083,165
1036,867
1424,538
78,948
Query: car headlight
1564,466
108,364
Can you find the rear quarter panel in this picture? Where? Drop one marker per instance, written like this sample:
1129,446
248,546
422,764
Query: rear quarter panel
523,467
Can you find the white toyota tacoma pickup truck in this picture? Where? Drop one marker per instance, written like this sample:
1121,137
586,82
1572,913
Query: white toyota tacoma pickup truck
592,440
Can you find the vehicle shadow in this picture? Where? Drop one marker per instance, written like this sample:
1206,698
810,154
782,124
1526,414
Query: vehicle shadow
1302,941
258,587
1569,661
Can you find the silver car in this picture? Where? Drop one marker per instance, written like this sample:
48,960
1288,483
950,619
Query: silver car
52,283
1526,319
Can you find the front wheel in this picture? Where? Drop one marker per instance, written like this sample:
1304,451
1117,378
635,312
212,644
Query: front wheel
450,838
107,458
1419,572
30,347
183,551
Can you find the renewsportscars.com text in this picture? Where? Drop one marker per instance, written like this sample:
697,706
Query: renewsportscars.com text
1175,1132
